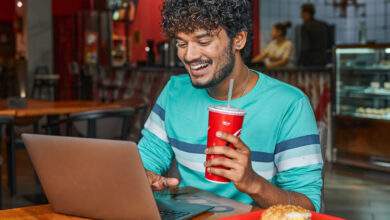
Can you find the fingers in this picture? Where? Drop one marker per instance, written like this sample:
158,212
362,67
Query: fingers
229,174
157,186
158,182
170,182
227,151
236,141
236,160
163,183
152,177
222,161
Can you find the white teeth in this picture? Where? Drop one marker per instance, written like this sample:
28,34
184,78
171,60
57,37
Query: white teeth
199,66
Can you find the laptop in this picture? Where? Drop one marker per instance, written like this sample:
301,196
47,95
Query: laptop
97,178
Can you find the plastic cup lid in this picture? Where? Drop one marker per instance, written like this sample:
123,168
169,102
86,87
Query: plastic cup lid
226,110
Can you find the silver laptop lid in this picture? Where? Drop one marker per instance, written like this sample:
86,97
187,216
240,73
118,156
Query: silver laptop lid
92,178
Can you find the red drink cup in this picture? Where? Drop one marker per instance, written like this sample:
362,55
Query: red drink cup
226,119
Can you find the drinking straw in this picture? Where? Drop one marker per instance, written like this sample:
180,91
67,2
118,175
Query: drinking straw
230,92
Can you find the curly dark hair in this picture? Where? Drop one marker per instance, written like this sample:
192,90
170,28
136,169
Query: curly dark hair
189,15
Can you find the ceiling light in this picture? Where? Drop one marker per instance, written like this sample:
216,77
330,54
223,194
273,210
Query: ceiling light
19,4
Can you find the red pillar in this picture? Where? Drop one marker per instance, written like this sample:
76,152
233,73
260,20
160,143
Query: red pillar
256,27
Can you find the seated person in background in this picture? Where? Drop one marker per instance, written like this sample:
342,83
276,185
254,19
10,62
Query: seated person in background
279,52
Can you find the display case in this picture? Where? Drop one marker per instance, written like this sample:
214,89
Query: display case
361,105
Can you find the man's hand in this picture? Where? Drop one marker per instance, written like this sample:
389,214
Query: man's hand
238,163
158,182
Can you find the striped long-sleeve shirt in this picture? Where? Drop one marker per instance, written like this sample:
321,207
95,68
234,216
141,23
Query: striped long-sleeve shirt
279,128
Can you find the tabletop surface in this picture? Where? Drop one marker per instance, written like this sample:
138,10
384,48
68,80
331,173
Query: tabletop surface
47,213
34,212
4,110
42,107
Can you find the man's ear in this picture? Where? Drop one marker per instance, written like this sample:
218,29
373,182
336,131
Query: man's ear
239,40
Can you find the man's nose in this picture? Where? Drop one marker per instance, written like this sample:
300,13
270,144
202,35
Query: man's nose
192,53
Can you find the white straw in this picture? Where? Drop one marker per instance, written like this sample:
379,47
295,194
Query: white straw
230,92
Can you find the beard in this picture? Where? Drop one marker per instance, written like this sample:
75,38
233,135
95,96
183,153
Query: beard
223,72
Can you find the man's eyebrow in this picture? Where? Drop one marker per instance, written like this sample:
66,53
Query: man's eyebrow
199,36
202,35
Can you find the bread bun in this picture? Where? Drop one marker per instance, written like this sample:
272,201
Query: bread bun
286,212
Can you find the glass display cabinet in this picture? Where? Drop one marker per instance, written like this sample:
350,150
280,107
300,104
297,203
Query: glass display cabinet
361,105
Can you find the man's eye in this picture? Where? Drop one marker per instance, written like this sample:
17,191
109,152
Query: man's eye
204,43
181,45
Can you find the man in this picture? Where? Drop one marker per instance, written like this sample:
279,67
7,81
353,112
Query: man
277,159
314,39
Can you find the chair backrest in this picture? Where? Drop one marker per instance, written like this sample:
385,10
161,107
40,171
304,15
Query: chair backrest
139,121
41,70
3,81
87,122
7,123
5,120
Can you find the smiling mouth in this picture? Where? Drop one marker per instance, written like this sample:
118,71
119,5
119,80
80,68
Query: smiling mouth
197,67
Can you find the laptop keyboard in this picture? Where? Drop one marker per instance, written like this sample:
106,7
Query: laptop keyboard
172,214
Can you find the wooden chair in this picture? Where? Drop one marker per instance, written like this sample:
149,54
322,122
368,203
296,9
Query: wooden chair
91,119
2,82
44,81
7,125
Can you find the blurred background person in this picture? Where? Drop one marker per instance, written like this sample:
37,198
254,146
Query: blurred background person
279,51
314,39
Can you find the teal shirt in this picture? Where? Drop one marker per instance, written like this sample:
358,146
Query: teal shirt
279,128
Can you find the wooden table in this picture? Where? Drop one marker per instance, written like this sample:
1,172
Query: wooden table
34,212
36,109
4,110
41,107
46,212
